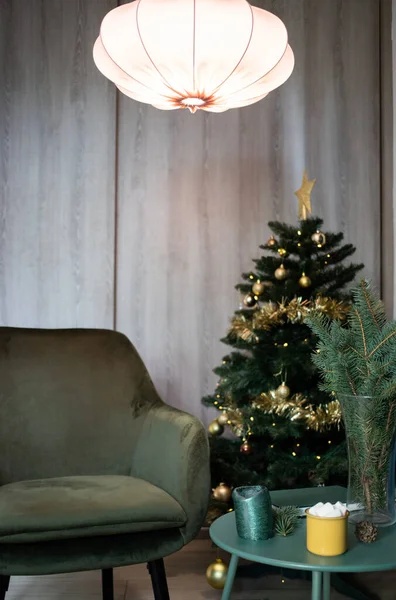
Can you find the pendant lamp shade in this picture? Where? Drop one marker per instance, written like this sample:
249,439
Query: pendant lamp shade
210,55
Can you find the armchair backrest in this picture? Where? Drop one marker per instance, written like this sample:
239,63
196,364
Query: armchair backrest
70,403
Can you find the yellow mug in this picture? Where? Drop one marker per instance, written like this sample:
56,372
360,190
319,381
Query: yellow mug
327,536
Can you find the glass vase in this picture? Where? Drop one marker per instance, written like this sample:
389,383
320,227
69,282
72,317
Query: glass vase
370,426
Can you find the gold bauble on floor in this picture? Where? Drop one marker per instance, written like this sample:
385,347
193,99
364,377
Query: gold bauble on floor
216,574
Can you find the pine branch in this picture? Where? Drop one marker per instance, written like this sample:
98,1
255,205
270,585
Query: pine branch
285,520
359,358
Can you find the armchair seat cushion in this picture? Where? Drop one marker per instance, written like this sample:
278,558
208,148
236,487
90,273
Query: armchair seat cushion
82,506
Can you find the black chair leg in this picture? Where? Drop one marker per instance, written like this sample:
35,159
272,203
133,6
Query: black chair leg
158,579
4,583
107,584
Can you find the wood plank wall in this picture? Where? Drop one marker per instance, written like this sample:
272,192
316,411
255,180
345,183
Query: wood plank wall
387,158
57,143
117,214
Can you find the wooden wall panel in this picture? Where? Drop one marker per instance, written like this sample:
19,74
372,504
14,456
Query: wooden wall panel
57,144
195,192
387,158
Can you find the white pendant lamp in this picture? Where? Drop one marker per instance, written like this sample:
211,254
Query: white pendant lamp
197,54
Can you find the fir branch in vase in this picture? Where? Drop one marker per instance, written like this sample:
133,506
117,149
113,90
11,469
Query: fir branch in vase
356,360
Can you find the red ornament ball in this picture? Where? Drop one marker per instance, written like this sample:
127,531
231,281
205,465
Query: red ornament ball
246,448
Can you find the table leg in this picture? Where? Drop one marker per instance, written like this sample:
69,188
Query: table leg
326,585
232,567
316,585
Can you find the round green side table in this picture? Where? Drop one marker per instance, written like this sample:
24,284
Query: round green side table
291,553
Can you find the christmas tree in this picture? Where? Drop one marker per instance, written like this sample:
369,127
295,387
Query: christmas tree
287,432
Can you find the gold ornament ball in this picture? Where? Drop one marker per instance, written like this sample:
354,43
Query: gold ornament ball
258,288
281,273
216,574
249,301
271,242
215,428
282,251
283,391
319,238
304,281
222,493
223,419
246,448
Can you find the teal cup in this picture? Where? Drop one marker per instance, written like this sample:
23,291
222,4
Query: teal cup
253,512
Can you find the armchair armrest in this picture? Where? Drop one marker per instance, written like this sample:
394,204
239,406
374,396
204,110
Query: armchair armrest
172,452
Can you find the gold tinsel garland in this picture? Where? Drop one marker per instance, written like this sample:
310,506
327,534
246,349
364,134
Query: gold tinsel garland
295,408
272,314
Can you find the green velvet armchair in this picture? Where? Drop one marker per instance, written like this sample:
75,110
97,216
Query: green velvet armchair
96,471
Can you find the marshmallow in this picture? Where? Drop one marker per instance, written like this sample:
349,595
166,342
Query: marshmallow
342,507
314,509
328,510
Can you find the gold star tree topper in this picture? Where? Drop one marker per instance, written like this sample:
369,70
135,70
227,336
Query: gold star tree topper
304,197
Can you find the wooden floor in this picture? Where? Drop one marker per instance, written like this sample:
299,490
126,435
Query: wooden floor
186,579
